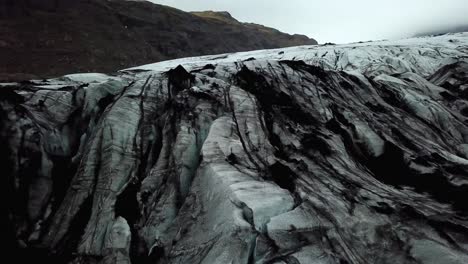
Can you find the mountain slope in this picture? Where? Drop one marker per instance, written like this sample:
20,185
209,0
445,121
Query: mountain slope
315,154
104,36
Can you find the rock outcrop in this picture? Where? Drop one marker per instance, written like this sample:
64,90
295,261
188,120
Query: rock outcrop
316,154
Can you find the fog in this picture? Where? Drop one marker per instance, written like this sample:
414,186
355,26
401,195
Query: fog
341,21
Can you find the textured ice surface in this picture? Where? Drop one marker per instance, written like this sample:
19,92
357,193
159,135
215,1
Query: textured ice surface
316,154
422,55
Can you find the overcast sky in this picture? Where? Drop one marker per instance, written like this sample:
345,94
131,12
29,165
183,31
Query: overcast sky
340,21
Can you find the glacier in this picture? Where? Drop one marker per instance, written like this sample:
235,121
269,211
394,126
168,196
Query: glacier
353,153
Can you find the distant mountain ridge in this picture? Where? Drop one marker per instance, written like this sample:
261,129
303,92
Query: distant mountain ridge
456,29
46,38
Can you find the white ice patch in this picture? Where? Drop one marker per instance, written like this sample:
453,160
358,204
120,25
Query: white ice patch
372,142
90,77
265,199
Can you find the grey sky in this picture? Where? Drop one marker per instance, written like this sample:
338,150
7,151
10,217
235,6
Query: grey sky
340,21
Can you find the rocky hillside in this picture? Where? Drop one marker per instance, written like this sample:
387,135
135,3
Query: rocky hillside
313,154
43,38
